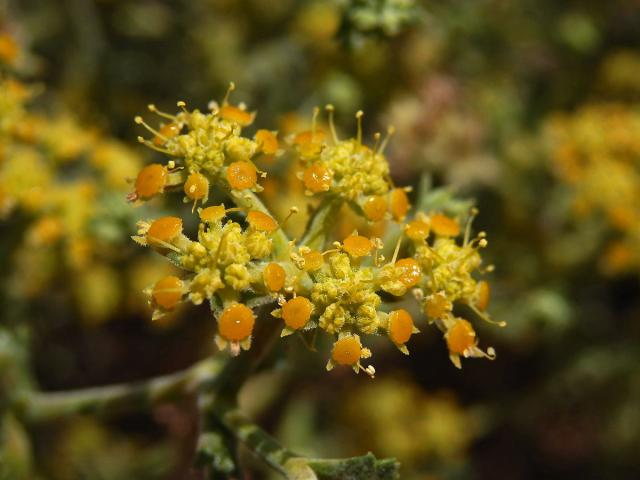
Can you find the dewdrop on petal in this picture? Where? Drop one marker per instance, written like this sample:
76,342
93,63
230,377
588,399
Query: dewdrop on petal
309,143
462,341
460,337
347,350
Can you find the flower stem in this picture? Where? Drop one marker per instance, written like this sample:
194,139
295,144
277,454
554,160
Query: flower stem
321,223
36,407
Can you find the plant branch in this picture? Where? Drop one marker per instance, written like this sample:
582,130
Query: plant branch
296,467
321,223
35,407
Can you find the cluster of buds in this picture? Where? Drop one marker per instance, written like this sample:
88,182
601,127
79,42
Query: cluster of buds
243,257
58,175
596,153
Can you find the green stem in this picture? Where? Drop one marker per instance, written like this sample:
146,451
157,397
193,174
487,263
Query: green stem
254,438
321,223
35,407
296,467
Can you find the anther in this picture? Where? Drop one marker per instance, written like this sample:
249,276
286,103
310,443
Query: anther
376,137
359,115
182,105
138,119
231,88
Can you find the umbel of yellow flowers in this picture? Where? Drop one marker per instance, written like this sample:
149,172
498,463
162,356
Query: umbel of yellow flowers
343,286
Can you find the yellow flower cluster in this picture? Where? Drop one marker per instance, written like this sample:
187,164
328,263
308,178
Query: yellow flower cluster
36,155
596,152
346,288
349,170
425,425
209,147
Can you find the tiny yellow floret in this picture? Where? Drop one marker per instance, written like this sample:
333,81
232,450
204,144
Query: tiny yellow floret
196,187
398,204
400,326
164,230
357,245
267,141
242,175
167,292
444,226
236,322
237,115
297,312
484,294
261,221
165,133
375,208
417,230
460,337
213,213
437,306
411,272
317,178
347,350
313,260
151,180
274,277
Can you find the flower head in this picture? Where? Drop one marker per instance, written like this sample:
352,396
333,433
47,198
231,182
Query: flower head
346,289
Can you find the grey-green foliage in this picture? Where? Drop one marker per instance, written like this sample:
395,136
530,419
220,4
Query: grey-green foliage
378,17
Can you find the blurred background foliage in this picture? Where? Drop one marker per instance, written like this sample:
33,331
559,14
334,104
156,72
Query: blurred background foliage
532,108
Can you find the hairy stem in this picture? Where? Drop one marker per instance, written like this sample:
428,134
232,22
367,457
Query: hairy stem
296,467
34,407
